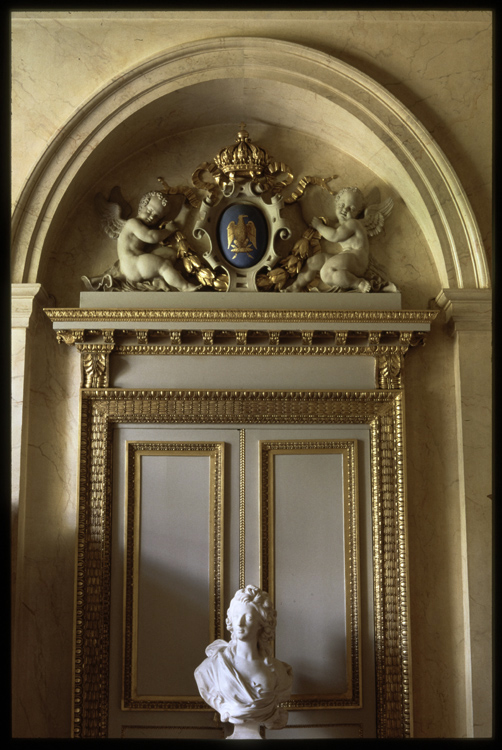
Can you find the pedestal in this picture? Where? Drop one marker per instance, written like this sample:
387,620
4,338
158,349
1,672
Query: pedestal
248,731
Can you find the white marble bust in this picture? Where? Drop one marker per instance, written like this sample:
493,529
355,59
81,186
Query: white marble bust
241,679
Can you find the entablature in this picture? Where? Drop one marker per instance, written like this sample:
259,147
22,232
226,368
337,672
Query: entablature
252,325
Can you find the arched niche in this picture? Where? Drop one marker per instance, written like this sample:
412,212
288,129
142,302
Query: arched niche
195,95
281,89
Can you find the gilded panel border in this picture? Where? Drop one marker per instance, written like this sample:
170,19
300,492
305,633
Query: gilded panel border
269,449
134,453
381,410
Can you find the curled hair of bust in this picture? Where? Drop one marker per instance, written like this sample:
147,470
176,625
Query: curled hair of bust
145,200
261,601
353,190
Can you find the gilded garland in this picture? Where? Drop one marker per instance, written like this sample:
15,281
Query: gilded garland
233,230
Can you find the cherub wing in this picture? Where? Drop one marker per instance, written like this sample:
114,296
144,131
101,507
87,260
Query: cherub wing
110,214
251,232
375,215
231,233
117,197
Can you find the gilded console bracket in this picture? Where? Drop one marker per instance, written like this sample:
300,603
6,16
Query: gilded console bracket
390,367
95,364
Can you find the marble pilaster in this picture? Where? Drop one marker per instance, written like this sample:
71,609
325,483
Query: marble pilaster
44,444
27,301
468,318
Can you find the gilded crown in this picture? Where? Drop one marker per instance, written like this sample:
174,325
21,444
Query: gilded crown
242,159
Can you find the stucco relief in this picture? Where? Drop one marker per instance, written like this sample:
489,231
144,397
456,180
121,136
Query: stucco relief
244,209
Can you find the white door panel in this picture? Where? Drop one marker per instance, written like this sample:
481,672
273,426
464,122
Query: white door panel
165,575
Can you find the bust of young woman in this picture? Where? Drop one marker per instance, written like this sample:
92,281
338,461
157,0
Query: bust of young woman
241,680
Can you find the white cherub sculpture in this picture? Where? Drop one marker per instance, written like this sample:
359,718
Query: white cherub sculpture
143,261
346,270
241,680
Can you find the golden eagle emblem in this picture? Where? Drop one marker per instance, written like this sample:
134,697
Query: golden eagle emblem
241,236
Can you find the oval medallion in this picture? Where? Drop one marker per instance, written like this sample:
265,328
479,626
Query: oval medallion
243,235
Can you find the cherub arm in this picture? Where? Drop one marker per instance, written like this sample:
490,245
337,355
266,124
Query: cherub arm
143,233
179,220
333,234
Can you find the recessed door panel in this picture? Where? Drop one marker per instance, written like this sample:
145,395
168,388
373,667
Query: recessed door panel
199,512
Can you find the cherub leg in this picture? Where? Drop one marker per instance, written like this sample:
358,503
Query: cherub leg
175,279
308,274
344,279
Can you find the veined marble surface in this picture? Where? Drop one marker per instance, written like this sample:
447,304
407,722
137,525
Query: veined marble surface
438,64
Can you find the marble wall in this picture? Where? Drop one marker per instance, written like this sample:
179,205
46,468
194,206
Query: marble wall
44,485
438,64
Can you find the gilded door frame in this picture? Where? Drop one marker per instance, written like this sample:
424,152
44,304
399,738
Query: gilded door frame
381,410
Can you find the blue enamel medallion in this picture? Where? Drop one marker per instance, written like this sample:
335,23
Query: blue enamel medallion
242,235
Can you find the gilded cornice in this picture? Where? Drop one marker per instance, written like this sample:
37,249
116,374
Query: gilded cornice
420,318
98,334
260,332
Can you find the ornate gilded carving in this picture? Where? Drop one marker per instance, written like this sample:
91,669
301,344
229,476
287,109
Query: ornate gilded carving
390,366
386,344
383,318
194,266
391,576
102,408
70,337
95,364
142,337
243,160
208,337
240,212
109,336
92,632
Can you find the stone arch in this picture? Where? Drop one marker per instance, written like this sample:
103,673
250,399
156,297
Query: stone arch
287,84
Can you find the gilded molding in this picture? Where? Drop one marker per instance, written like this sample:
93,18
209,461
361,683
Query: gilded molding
348,449
242,508
135,450
102,408
275,348
243,343
80,315
390,576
